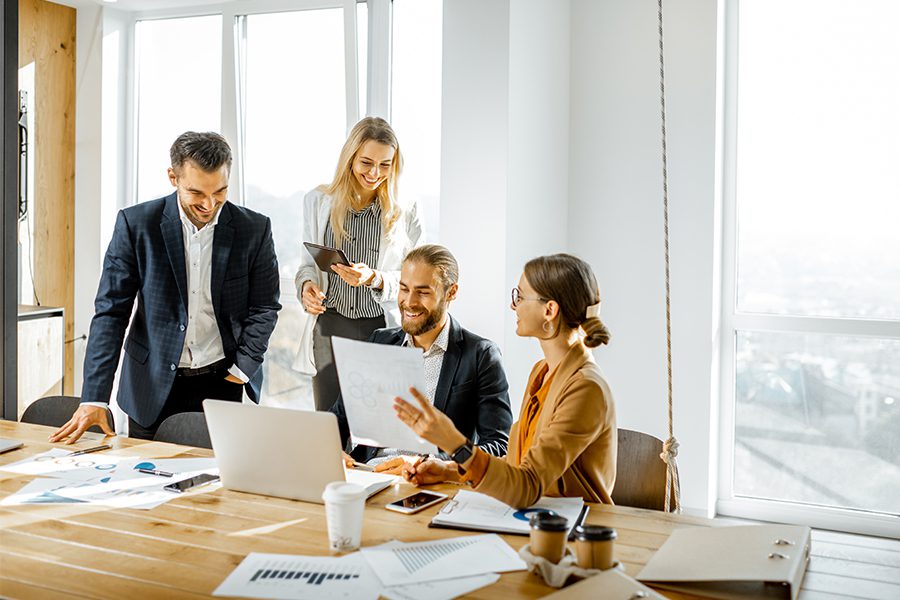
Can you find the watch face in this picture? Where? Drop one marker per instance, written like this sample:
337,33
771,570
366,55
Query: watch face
463,454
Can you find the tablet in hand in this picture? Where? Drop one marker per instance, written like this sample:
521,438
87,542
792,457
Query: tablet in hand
326,256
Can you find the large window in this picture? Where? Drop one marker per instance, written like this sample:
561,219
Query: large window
416,102
294,122
812,312
179,88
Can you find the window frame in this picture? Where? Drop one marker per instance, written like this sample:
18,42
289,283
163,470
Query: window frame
733,321
378,73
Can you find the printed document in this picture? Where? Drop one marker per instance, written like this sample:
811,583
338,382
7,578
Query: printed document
471,510
400,563
371,375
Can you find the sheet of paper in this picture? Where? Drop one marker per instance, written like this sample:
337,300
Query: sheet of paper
478,511
57,463
371,375
399,563
105,480
53,490
372,482
180,467
41,491
286,576
440,590
131,489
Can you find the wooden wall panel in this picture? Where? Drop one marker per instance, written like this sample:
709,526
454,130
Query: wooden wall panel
47,38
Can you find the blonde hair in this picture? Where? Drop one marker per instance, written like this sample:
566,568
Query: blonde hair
341,189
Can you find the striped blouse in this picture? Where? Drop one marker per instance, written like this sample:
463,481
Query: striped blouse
361,245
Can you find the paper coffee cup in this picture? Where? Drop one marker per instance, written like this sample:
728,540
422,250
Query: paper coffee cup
344,506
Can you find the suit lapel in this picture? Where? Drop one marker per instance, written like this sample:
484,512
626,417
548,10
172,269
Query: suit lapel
222,241
173,237
449,366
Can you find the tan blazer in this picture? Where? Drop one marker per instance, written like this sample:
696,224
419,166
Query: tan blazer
574,451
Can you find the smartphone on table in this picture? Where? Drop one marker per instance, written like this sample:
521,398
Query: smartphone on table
189,484
416,502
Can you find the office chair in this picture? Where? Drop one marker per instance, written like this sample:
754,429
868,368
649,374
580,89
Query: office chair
640,472
187,429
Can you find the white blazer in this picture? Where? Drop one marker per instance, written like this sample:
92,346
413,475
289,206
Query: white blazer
407,233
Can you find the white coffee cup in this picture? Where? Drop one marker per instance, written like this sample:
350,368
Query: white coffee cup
344,506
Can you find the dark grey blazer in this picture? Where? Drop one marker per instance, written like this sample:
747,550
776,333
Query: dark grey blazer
145,261
472,390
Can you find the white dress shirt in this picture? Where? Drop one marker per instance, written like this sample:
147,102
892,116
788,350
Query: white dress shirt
202,340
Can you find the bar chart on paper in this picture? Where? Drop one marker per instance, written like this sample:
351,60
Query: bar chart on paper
401,563
418,556
305,572
300,577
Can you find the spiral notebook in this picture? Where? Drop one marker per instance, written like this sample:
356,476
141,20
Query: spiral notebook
477,512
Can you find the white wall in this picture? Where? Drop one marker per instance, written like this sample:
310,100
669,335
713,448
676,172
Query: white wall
538,165
474,149
615,219
505,145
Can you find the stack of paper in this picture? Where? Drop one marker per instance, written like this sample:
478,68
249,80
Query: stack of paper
101,478
437,570
471,510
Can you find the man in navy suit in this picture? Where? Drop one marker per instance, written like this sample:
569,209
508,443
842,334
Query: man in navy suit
205,277
464,375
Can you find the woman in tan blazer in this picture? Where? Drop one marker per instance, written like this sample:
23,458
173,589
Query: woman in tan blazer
564,443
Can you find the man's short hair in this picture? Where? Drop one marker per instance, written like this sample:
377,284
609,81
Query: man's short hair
208,150
440,259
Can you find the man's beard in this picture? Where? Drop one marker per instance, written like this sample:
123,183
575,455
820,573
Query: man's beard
431,319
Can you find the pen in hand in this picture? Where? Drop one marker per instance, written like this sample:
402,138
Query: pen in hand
89,450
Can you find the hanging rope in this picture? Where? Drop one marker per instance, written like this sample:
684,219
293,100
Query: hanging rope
670,446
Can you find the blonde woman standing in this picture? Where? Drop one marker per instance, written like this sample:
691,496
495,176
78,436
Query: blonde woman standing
360,214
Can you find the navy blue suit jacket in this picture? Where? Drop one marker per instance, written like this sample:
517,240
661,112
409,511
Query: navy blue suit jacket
472,390
145,260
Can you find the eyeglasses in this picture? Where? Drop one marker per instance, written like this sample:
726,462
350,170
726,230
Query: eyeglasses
518,298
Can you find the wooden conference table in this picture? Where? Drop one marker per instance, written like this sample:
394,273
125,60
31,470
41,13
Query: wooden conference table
186,547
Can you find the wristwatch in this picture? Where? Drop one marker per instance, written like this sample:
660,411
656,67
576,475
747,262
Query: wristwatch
377,280
463,453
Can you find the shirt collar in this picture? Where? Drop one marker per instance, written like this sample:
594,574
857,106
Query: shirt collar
191,227
441,341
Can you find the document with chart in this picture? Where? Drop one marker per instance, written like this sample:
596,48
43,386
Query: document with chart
277,576
471,510
400,563
371,375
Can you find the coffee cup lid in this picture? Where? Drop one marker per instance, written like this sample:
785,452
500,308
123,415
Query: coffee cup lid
343,491
548,521
594,533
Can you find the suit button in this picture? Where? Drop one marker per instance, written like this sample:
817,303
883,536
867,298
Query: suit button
172,367
181,327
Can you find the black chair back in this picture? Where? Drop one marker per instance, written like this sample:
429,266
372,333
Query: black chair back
187,429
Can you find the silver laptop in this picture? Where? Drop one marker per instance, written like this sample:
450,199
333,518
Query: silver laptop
281,452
